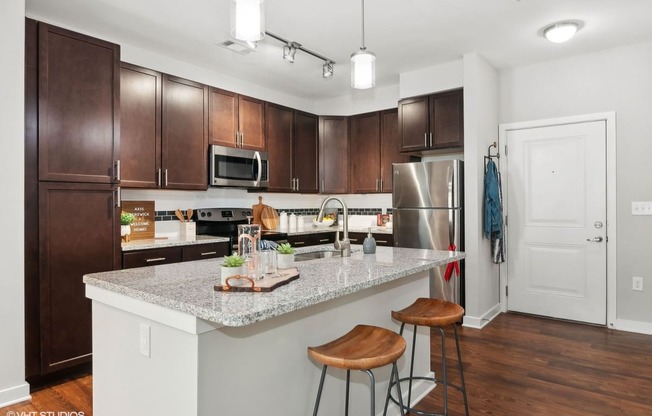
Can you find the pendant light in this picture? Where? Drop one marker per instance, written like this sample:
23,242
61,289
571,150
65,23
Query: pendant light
363,65
248,20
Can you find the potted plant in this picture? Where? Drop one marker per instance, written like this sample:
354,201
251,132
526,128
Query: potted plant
285,256
231,265
126,219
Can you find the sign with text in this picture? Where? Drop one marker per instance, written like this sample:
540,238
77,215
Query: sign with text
144,226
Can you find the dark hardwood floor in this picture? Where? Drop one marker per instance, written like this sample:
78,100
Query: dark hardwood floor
517,365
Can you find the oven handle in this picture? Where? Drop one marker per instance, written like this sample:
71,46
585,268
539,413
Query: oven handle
260,168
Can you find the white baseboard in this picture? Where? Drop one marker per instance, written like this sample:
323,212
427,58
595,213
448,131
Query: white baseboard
480,322
632,326
14,394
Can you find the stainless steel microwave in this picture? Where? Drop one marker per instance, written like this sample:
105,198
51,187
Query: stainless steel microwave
238,168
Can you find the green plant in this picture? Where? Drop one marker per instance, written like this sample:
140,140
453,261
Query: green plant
233,261
285,248
127,218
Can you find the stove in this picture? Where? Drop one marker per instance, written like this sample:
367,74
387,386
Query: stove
223,222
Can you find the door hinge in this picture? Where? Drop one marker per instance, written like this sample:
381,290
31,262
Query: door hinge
505,150
505,220
506,291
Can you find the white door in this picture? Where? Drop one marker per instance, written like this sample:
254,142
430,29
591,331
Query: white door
556,233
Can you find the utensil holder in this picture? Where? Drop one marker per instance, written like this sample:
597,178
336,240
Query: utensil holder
187,230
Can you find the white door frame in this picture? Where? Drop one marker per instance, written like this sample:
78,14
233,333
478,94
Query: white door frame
610,119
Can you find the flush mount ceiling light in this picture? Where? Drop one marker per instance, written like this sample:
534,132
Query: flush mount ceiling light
327,69
248,20
290,49
562,31
363,65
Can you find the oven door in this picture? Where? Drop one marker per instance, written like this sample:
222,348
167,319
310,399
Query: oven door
238,167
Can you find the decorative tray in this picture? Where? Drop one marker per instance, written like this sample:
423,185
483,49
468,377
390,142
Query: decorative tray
266,284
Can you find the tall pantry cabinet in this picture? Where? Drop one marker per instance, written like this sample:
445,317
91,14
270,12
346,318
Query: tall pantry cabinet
71,189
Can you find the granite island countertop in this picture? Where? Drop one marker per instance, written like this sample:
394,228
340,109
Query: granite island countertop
188,287
170,242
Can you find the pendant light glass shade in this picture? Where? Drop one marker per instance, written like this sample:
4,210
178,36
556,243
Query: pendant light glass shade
248,20
363,65
363,69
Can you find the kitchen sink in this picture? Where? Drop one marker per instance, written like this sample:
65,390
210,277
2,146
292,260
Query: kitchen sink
327,254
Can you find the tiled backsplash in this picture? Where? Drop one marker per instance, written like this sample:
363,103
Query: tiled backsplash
170,216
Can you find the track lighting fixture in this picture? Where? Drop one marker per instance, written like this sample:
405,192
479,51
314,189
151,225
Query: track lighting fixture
290,48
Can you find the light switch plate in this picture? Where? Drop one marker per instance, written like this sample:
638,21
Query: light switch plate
145,344
642,208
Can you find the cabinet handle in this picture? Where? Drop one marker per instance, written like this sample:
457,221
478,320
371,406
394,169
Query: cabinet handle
381,185
117,170
293,185
323,240
430,139
382,241
297,184
299,243
166,178
208,253
425,139
155,259
118,196
377,181
322,186
158,178
353,239
241,139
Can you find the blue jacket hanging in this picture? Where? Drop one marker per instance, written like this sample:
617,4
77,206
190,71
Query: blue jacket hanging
493,212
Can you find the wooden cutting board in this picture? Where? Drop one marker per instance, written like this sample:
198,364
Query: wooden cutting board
269,218
257,211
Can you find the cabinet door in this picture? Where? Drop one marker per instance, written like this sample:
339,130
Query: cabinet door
278,122
140,127
413,123
184,134
223,117
78,234
390,148
79,93
447,119
251,119
334,155
365,158
305,152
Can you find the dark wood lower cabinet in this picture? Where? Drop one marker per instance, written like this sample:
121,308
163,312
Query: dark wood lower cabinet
78,234
304,240
381,239
167,255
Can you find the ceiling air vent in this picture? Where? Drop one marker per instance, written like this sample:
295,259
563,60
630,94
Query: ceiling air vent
236,47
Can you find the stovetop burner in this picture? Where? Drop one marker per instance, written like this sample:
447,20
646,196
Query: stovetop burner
223,222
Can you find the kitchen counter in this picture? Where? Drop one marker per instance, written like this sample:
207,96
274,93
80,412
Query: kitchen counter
171,242
165,343
310,229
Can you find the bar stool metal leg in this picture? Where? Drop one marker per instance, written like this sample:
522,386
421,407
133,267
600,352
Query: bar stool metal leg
348,384
372,381
461,369
443,368
321,386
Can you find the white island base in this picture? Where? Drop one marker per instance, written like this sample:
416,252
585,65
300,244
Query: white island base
196,367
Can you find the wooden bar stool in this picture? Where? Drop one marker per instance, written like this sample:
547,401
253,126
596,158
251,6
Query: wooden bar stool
363,348
433,313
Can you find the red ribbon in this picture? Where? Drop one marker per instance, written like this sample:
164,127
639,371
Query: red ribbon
452,266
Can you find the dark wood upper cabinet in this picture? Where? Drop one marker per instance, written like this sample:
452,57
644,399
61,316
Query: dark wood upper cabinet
140,126
78,234
447,119
278,130
432,122
334,154
305,150
236,120
390,148
79,96
184,144
365,159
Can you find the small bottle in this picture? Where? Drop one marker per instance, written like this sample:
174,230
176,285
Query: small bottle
283,221
293,222
369,244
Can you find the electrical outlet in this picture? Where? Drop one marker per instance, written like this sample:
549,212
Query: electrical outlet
637,283
145,344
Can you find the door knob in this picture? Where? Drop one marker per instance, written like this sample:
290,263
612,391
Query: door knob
595,239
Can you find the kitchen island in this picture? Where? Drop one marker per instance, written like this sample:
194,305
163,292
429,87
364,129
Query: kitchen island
165,343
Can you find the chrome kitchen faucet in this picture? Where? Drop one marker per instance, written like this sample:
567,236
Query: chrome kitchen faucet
343,245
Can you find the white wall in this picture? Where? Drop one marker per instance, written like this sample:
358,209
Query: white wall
618,80
480,130
359,102
433,79
12,357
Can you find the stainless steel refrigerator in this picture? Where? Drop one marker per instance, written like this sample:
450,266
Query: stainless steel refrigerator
427,201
